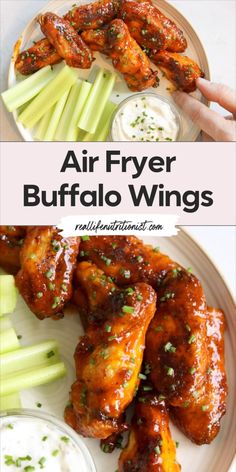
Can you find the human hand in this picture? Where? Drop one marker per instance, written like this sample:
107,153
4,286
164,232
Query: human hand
214,126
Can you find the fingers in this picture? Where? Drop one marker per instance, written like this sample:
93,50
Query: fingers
219,93
208,120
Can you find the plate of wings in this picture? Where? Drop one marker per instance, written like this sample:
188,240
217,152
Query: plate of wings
149,44
149,345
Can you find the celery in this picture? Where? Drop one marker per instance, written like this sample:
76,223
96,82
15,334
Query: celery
29,357
103,128
5,323
48,124
73,130
8,341
29,378
8,294
48,97
10,401
28,88
44,124
96,101
55,118
65,120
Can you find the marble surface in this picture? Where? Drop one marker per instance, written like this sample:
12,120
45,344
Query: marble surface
213,20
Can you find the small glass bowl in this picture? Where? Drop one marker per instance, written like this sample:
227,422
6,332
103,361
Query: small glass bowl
153,95
59,425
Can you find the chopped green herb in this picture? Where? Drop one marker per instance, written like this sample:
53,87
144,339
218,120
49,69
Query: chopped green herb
49,274
142,399
39,405
108,328
56,302
128,309
169,347
65,439
177,444
167,296
147,388
41,462
125,273
188,328
170,371
64,287
139,258
111,338
157,450
130,290
44,438
204,407
55,452
19,336
10,426
106,260
156,249
139,297
142,376
51,286
29,468
50,354
147,368
192,370
191,339
161,397
39,294
85,238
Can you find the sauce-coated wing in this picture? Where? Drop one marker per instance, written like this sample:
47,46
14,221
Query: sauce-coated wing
126,55
93,15
127,259
109,357
176,345
200,420
83,17
180,70
151,28
11,240
40,55
65,39
150,447
47,264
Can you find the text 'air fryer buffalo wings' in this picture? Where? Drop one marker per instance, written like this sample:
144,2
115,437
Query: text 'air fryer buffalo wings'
126,31
135,303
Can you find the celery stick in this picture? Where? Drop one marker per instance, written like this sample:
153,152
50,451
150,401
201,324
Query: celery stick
48,97
68,111
55,118
73,130
28,88
96,101
104,124
29,357
31,378
43,124
8,294
10,402
5,323
8,341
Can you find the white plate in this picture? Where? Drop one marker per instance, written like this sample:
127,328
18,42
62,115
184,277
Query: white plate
216,457
195,50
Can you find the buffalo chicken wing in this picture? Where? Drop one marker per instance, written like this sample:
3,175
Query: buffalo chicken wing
11,241
151,28
127,259
126,55
108,358
47,264
176,344
67,42
180,70
43,53
150,447
200,418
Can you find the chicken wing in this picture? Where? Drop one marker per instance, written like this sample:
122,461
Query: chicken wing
127,259
47,264
176,344
151,28
180,70
67,42
11,240
93,15
127,57
150,447
42,53
109,357
200,420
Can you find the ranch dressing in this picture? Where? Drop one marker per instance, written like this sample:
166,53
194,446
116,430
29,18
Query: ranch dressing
33,444
145,118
